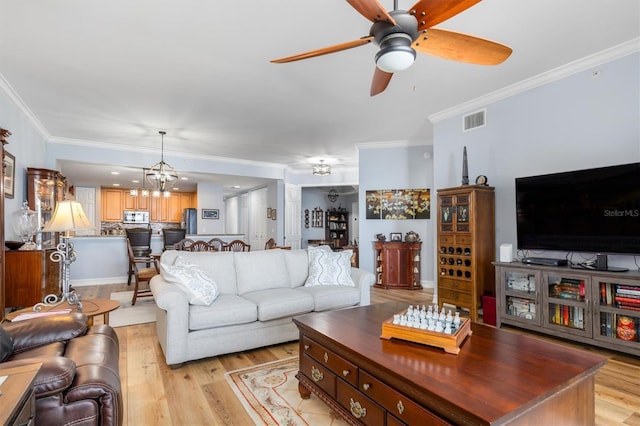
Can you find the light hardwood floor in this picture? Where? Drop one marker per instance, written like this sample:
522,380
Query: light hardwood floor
197,393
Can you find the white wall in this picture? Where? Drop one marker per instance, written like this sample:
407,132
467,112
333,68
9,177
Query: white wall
210,197
578,122
396,168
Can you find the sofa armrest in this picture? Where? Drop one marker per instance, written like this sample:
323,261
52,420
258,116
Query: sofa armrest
55,375
37,332
172,319
363,280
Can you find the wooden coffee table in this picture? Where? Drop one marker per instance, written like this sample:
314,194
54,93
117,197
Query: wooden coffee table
498,377
90,307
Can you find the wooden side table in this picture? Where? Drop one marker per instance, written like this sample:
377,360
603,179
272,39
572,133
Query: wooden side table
18,400
90,307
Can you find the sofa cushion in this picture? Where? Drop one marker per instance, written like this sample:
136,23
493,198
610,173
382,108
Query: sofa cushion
200,288
261,270
227,309
280,302
219,266
327,297
329,268
297,265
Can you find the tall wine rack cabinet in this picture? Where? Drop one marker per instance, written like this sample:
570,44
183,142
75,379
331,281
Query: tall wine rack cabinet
466,246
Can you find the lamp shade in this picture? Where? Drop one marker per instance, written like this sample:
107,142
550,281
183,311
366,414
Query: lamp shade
68,216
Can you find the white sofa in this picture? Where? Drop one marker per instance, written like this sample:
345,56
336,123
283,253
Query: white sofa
258,294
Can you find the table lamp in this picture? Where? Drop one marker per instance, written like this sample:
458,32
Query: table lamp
67,217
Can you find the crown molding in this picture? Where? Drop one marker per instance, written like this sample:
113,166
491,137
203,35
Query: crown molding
13,96
608,55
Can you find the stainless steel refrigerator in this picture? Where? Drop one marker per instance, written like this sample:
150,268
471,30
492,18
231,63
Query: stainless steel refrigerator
190,220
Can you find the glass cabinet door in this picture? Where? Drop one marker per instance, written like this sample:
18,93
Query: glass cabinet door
522,296
46,188
567,304
618,311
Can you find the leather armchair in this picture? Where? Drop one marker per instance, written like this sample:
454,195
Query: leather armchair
79,382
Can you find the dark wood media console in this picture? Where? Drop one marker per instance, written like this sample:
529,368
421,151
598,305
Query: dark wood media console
498,377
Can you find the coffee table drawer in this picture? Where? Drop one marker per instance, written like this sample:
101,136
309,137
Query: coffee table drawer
340,366
403,408
361,408
320,375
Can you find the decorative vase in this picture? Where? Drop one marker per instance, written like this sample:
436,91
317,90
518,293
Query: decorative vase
626,329
411,237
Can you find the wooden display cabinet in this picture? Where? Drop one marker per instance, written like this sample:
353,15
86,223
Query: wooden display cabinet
337,227
596,307
30,275
466,246
397,265
45,188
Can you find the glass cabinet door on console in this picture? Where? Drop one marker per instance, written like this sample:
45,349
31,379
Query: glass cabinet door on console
567,308
521,296
617,311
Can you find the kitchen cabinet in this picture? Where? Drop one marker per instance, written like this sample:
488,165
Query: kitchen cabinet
168,210
131,202
112,204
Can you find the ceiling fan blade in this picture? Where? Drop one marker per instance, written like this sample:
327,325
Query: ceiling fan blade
372,10
380,81
325,50
461,47
432,12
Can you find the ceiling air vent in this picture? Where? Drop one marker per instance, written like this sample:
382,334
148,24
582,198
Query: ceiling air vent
474,120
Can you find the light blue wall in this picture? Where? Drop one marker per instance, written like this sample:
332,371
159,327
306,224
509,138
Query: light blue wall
396,168
578,122
28,145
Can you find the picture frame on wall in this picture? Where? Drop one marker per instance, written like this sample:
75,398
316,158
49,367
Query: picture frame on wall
269,212
273,214
396,236
211,213
9,175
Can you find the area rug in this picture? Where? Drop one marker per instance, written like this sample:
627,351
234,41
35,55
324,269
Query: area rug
269,394
142,312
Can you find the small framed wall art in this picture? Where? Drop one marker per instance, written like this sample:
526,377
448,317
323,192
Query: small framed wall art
210,213
396,236
9,175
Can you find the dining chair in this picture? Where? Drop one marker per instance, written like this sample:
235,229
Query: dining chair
201,246
238,245
270,244
140,241
218,244
183,244
171,236
141,274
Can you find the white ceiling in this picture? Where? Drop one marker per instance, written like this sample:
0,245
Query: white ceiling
117,71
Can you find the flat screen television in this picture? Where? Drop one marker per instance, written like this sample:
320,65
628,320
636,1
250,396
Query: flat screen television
594,210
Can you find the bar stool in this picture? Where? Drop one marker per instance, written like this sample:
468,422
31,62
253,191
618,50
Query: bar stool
172,236
140,240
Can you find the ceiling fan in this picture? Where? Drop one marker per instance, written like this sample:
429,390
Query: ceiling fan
400,33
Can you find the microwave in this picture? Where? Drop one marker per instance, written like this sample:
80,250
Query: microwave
135,217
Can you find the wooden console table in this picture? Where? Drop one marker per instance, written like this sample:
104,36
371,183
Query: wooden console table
498,377
18,401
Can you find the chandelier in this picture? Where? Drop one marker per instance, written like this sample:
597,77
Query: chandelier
321,169
161,175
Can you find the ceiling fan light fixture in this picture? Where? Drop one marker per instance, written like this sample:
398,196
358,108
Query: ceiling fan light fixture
396,53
